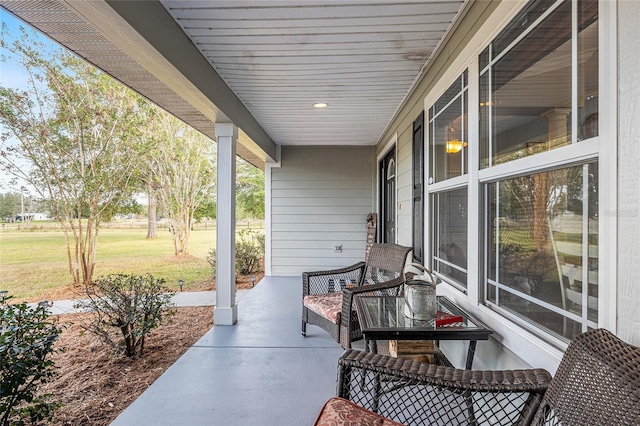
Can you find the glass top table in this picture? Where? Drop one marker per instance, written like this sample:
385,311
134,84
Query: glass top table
382,318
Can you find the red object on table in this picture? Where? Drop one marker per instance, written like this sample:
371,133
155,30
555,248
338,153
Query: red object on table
444,318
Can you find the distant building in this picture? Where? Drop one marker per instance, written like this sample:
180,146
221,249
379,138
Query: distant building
141,198
22,217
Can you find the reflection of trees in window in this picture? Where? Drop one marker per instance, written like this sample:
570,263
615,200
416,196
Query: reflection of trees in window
529,200
538,92
527,204
543,228
449,244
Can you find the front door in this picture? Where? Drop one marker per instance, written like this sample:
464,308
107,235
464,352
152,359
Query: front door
388,197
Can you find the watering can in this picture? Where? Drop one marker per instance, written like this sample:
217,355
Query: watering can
420,295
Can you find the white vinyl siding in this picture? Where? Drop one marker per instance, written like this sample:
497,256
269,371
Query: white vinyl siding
628,213
320,198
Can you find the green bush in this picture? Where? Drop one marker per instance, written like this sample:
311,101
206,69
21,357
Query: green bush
132,304
250,247
211,258
249,251
26,344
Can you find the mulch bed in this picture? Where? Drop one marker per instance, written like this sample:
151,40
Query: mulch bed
95,384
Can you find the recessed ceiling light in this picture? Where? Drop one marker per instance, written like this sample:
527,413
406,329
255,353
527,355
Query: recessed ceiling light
320,105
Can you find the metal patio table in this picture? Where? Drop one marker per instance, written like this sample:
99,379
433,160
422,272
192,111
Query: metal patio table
382,318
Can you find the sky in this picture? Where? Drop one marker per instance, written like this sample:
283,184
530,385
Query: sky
13,75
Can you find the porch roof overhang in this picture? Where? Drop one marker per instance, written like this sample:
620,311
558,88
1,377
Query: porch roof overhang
258,65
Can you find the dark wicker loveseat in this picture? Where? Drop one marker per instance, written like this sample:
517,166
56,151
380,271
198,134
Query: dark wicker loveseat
327,296
597,384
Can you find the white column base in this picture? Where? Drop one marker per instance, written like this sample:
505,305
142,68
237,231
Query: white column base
225,316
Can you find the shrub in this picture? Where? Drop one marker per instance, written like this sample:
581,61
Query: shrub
26,344
211,258
135,305
249,251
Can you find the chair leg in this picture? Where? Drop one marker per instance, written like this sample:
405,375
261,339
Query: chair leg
304,328
345,341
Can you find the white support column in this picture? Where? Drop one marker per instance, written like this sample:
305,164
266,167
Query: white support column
226,310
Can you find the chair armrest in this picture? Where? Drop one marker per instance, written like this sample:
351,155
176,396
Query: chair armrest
389,288
415,393
319,282
349,318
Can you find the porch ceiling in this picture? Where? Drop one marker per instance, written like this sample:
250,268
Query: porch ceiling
260,64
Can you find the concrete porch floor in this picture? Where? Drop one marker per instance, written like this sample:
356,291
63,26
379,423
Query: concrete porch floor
260,371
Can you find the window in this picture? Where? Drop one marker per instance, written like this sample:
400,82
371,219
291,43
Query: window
538,92
542,248
528,103
450,235
448,149
448,133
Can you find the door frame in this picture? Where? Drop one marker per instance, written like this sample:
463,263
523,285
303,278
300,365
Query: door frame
391,145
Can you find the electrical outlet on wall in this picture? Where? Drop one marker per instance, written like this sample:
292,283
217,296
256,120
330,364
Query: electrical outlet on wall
337,248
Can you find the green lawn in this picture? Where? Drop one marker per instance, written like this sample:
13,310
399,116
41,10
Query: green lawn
33,262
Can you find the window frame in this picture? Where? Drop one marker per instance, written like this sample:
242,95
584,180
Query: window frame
463,287
453,183
531,346
460,96
570,155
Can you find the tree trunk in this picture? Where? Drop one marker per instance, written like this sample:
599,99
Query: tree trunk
540,201
153,203
73,270
181,230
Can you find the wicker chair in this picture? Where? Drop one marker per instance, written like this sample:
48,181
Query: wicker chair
327,296
597,383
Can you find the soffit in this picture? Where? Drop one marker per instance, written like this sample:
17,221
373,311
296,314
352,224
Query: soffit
277,57
93,31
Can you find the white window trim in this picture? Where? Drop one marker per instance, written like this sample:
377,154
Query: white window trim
556,158
453,183
607,167
528,346
458,182
473,193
